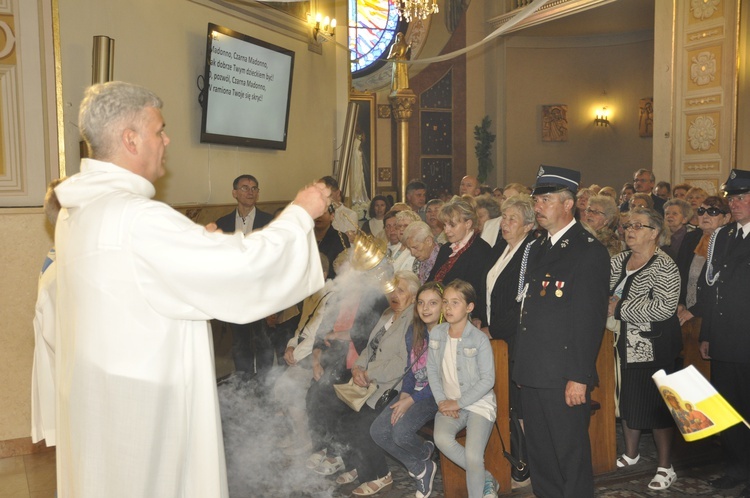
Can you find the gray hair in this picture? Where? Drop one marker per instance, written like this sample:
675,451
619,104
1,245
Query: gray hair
417,231
435,202
488,203
107,109
411,280
656,221
644,170
687,210
608,206
409,216
525,205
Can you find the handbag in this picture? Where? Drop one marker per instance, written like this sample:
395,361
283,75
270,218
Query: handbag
519,467
354,396
390,393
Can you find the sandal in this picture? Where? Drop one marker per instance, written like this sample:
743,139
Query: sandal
329,466
663,479
347,477
372,487
315,459
626,461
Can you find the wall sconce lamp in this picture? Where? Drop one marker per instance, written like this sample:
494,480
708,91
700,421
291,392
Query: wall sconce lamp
323,29
602,117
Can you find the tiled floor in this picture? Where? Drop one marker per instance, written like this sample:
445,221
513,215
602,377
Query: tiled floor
33,476
28,476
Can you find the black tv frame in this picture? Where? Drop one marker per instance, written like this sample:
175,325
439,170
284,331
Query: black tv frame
208,137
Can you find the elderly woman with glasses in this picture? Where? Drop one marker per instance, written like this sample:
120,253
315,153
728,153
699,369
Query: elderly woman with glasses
712,214
644,289
600,217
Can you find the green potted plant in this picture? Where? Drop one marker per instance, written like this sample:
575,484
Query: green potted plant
483,147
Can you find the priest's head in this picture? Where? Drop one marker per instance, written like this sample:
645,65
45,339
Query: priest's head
122,124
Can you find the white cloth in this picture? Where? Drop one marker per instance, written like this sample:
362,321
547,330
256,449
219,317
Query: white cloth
345,220
491,229
43,371
495,272
451,386
244,225
404,261
138,412
313,311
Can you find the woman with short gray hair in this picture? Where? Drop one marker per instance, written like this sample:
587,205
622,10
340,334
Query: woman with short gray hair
677,214
421,243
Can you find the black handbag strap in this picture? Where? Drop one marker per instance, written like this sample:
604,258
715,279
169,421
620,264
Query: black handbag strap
520,465
409,367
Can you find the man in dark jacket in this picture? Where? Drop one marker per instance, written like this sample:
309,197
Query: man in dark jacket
725,330
251,348
563,316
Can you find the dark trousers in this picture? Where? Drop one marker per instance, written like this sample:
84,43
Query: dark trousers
252,351
361,452
324,411
732,380
557,440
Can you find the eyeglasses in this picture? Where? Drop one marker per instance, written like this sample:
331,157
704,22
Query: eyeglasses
636,226
712,211
246,188
736,198
589,211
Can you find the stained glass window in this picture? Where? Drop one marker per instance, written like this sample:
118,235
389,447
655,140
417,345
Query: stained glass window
372,27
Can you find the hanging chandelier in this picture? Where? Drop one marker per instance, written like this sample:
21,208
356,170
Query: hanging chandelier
415,9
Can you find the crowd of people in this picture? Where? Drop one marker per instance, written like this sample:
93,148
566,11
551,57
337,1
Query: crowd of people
545,268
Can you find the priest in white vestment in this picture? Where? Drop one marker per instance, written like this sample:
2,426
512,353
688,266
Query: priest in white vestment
138,412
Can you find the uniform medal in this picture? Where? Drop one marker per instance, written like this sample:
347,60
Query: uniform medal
559,286
545,283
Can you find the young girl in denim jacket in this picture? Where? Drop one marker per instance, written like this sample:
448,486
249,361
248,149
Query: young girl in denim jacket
461,372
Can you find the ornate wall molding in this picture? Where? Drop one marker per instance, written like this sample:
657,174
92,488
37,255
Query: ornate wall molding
705,90
12,178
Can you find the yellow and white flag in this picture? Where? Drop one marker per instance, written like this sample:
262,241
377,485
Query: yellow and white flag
698,409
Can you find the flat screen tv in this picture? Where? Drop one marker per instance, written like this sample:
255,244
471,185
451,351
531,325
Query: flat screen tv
246,92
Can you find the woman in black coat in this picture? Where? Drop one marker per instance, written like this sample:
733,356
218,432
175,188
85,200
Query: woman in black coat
465,255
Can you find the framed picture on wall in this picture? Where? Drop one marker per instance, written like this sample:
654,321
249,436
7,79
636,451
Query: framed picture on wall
646,117
365,132
555,123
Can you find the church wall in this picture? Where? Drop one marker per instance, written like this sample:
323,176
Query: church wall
582,73
168,57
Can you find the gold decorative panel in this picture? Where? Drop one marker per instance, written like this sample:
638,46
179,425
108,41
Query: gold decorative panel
7,40
706,100
704,68
702,133
701,167
705,35
704,10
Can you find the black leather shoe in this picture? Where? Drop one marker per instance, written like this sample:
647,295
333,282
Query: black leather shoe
726,482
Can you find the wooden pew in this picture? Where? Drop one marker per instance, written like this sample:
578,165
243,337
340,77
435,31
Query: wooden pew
602,426
690,348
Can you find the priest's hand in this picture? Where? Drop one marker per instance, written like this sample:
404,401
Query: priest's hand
314,199
212,227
